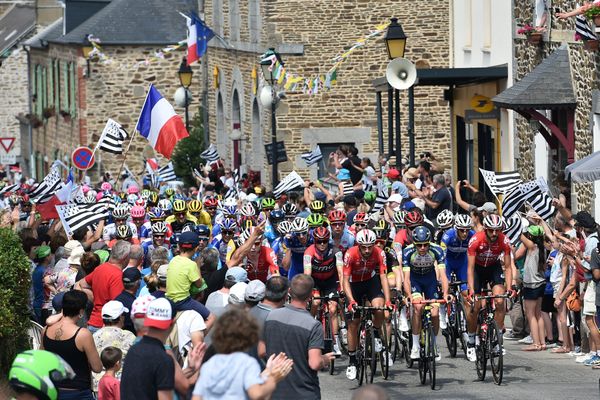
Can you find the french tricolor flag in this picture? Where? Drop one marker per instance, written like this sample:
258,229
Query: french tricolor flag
160,124
192,41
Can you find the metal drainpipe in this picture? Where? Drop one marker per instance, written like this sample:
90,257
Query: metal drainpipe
30,128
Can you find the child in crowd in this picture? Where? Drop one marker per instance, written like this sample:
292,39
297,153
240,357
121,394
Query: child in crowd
108,387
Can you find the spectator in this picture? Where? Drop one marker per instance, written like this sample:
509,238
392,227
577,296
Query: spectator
89,262
478,198
75,345
255,292
293,331
211,270
217,301
138,312
43,257
108,387
350,204
131,283
136,256
439,200
232,373
106,282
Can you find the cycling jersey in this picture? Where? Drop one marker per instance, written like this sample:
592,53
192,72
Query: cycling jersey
345,242
359,269
177,226
148,248
323,265
439,234
279,250
293,244
110,231
424,264
456,255
261,265
224,248
486,253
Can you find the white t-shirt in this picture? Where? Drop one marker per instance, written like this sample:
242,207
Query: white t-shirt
188,322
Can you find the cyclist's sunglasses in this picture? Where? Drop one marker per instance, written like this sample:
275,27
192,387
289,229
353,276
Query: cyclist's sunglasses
322,242
360,225
493,230
421,245
227,232
463,230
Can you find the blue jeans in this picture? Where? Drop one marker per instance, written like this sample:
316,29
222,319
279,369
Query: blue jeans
93,329
75,395
191,304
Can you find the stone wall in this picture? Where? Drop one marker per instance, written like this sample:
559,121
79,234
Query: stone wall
13,97
323,31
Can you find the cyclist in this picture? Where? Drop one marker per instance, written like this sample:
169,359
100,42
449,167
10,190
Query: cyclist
210,205
159,232
35,373
180,217
138,217
341,236
317,207
275,218
403,237
284,230
120,215
489,262
444,221
296,246
360,222
290,210
259,261
364,276
315,221
423,267
455,242
394,274
166,206
324,263
224,240
195,210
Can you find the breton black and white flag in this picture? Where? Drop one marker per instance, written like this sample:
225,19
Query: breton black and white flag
211,154
77,216
167,173
383,194
583,28
542,201
513,201
9,189
312,157
290,182
112,137
49,185
501,182
514,226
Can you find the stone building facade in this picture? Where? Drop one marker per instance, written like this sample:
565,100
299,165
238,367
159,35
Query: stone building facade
309,36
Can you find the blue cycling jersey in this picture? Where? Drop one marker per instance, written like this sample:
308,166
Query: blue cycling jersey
297,248
277,247
456,249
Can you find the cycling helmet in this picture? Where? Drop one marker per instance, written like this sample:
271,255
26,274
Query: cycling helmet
228,224
248,210
156,213
37,372
370,197
117,199
140,202
159,227
133,189
276,216
169,192
202,230
106,187
132,198
381,225
232,201
445,219
366,237
413,218
462,221
145,194
299,225
124,232
289,209
284,227
247,222
194,206
321,233
337,216
165,205
120,212
492,221
399,217
268,203
179,196
179,206
315,220
211,202
138,212
361,217
421,235
122,196
89,199
229,211
317,206
152,198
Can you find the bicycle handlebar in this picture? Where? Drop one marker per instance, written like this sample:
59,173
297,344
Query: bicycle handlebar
497,296
365,308
437,301
457,283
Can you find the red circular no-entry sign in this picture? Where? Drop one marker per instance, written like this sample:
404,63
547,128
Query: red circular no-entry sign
83,158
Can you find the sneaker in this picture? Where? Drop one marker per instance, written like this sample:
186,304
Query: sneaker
584,358
511,336
526,340
593,360
378,345
575,353
471,355
351,372
549,345
415,353
403,321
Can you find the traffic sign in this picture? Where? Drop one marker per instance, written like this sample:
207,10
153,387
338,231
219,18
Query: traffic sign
281,153
83,158
8,158
7,143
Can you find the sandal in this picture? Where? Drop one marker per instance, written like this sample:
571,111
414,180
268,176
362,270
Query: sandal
532,347
560,350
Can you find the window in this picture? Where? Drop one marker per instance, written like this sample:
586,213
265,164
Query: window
44,104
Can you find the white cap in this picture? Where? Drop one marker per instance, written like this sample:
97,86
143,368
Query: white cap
237,293
113,310
160,314
162,271
397,198
140,305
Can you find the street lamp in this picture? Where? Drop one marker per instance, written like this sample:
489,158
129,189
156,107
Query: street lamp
267,65
86,50
185,78
395,40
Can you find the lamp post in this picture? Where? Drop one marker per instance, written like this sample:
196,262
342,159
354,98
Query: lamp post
185,79
267,64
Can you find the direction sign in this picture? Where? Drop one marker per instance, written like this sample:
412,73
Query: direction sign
83,158
7,143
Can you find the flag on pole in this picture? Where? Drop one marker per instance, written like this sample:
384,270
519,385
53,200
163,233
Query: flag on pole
160,124
112,137
382,196
501,182
515,199
514,226
167,173
9,188
49,185
290,182
312,157
542,202
583,29
77,216
211,154
198,37
47,209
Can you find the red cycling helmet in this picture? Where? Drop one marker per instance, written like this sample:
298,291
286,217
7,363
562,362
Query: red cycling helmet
413,218
337,216
211,202
321,233
361,217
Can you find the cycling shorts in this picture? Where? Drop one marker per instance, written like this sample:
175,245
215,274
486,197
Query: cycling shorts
424,285
371,289
459,267
492,275
327,286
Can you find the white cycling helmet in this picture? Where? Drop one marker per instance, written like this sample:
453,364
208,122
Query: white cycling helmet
366,237
445,219
121,212
463,221
284,227
159,227
493,221
300,225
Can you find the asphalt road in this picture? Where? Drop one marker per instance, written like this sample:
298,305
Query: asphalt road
527,376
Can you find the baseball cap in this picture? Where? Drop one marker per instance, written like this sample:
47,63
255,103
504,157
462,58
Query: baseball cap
395,198
343,174
75,257
159,314
161,273
257,190
255,291
71,245
251,197
113,310
393,173
139,307
237,274
400,188
320,196
57,301
237,293
488,207
131,275
411,173
535,230
188,240
42,252
103,254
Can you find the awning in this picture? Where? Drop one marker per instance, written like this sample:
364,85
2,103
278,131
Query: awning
585,170
14,25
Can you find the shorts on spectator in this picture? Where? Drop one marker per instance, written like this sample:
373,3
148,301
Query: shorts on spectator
589,299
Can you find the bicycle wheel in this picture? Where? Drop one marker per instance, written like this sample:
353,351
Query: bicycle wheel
461,325
360,357
385,351
431,358
451,333
328,327
395,339
406,348
371,354
495,352
423,357
481,362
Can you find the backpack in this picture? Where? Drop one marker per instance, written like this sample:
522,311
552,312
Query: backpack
173,340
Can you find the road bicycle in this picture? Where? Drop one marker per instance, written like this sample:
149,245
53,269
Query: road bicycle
324,316
400,341
366,354
427,355
457,321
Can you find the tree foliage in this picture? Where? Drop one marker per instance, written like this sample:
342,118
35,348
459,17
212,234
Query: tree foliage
186,155
15,276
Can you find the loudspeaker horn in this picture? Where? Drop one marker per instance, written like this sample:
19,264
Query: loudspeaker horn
401,74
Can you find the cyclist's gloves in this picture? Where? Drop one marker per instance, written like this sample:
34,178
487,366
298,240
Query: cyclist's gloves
352,306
